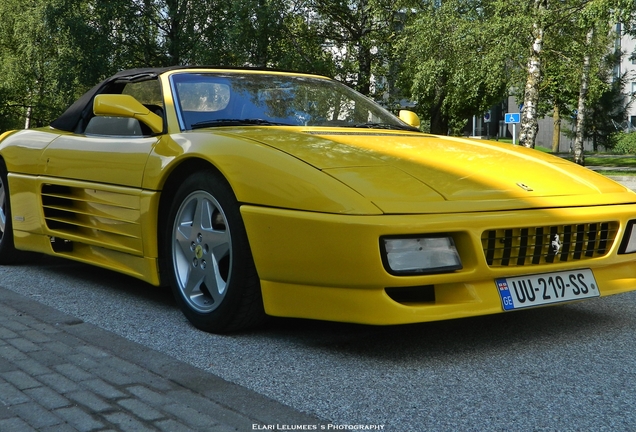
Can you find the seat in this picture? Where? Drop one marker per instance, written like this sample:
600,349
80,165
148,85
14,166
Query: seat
113,126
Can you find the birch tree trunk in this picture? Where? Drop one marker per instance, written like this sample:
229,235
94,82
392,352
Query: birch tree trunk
529,122
579,156
556,136
27,120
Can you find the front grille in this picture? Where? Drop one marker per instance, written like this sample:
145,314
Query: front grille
548,244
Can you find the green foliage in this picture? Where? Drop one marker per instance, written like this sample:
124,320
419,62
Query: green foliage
40,63
624,143
454,65
454,58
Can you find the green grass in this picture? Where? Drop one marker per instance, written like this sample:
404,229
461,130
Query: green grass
617,173
611,161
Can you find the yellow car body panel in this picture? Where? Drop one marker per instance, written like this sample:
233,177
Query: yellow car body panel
329,266
257,173
315,201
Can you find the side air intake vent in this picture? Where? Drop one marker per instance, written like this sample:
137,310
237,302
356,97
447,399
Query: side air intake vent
90,216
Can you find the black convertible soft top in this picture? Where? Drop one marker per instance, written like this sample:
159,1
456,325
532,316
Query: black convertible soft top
69,120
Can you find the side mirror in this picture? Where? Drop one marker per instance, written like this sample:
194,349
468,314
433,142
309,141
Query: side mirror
410,118
119,105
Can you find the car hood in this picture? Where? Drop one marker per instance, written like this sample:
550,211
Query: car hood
404,172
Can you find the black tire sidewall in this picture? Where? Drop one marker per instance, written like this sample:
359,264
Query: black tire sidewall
7,248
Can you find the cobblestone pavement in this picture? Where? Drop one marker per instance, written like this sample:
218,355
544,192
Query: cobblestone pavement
58,373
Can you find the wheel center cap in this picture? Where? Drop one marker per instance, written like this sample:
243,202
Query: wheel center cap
198,251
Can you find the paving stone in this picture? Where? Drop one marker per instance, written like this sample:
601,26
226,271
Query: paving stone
5,333
140,409
93,351
156,382
20,379
35,415
23,344
123,366
32,367
15,325
149,396
25,320
82,421
6,312
63,427
6,365
59,382
224,428
189,416
103,389
172,426
9,352
203,405
10,395
5,413
35,336
47,397
82,360
47,358
113,376
15,424
56,376
126,422
57,347
73,372
90,400
46,328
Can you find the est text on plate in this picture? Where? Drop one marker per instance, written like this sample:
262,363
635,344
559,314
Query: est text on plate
541,289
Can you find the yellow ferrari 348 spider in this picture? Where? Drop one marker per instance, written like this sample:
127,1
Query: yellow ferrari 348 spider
255,193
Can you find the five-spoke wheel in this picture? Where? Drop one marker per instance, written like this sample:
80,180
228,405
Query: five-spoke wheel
202,251
207,252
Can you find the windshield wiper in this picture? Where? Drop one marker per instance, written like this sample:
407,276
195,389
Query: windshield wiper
384,126
236,122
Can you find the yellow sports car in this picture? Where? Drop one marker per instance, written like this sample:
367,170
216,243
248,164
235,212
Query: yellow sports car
255,193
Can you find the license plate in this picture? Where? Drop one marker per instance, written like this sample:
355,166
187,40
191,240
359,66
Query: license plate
547,288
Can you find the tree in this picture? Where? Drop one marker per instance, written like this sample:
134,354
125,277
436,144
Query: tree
529,118
596,18
45,54
607,110
586,23
559,85
453,65
358,34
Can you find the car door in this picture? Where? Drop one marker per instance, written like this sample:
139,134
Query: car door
108,159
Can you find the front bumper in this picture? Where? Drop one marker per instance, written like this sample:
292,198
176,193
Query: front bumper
329,267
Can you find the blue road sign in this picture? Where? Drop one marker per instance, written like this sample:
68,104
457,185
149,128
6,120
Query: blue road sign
512,118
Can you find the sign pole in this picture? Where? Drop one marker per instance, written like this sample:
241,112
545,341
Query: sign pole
513,118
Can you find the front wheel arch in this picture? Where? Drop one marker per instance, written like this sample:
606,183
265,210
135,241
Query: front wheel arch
8,253
169,188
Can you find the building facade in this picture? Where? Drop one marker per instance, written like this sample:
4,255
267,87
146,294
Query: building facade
627,45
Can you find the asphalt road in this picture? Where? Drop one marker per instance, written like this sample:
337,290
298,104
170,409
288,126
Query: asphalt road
569,367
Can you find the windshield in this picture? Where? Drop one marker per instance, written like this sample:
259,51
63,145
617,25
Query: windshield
230,99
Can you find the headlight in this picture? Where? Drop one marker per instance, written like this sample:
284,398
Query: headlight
419,255
628,245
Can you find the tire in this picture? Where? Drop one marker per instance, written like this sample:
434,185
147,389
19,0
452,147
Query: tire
208,258
8,253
